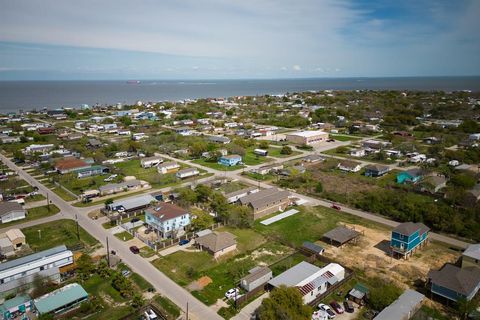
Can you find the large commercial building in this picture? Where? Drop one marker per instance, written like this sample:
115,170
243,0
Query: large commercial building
307,137
21,272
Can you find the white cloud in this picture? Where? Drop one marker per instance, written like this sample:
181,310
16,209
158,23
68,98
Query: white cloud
296,67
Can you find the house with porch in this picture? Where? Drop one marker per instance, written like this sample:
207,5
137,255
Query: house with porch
167,220
407,237
230,160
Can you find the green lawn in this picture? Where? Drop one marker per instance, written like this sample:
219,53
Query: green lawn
260,177
140,281
63,194
96,286
343,137
251,159
147,252
215,165
78,186
57,233
124,236
34,214
37,197
93,203
275,152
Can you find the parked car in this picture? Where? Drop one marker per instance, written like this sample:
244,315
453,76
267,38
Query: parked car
335,206
183,242
134,249
151,315
232,293
134,220
330,140
113,252
337,307
327,309
125,273
348,305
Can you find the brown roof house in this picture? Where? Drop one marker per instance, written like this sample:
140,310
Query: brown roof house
266,201
167,220
16,237
11,211
454,283
70,164
217,243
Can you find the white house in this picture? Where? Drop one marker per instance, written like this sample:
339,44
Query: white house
168,167
349,166
167,220
358,153
22,271
236,195
309,279
187,173
11,211
150,162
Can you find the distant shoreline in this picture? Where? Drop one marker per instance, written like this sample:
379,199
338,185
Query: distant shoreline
38,94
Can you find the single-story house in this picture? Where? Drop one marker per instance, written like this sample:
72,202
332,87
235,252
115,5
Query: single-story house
70,164
376,170
341,235
310,280
94,143
236,195
11,211
266,201
92,171
168,167
217,243
257,277
61,300
112,188
358,153
131,204
471,256
410,176
312,158
187,173
433,184
219,139
349,166
230,160
404,307
150,162
454,283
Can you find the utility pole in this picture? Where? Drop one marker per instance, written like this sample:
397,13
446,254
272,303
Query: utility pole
78,230
48,202
108,254
187,312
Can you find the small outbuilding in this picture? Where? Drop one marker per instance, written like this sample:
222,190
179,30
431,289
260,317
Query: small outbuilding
257,277
312,248
359,294
341,235
217,243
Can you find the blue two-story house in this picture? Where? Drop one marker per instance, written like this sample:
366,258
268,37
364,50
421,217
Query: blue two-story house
167,220
411,176
407,237
230,160
454,283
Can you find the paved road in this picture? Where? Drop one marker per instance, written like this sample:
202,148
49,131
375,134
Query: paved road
163,284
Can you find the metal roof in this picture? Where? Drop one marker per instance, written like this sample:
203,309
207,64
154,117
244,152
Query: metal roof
313,247
59,298
473,251
32,257
293,276
403,307
131,203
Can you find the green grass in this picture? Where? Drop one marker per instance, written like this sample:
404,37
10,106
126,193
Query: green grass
56,233
124,236
147,252
215,165
95,285
34,214
167,306
275,152
140,281
260,177
342,137
63,194
37,197
93,203
251,159
78,186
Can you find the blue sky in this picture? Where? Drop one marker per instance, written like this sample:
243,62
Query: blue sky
205,39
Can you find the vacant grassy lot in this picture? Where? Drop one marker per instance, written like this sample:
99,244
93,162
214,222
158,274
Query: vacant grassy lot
276,153
343,137
78,186
37,197
251,159
62,194
57,233
34,214
124,236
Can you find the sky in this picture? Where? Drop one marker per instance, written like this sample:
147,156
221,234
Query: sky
236,39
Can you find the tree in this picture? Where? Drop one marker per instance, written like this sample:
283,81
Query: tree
85,266
219,205
122,285
286,150
284,304
108,201
187,196
464,180
382,294
197,148
202,221
264,145
137,301
319,187
203,192
240,216
465,307
103,270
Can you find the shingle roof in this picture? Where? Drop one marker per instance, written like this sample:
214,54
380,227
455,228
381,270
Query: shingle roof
341,234
376,167
166,211
407,228
461,280
217,241
6,207
264,197
70,163
473,251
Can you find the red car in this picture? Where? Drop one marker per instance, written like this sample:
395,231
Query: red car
336,207
337,307
134,250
